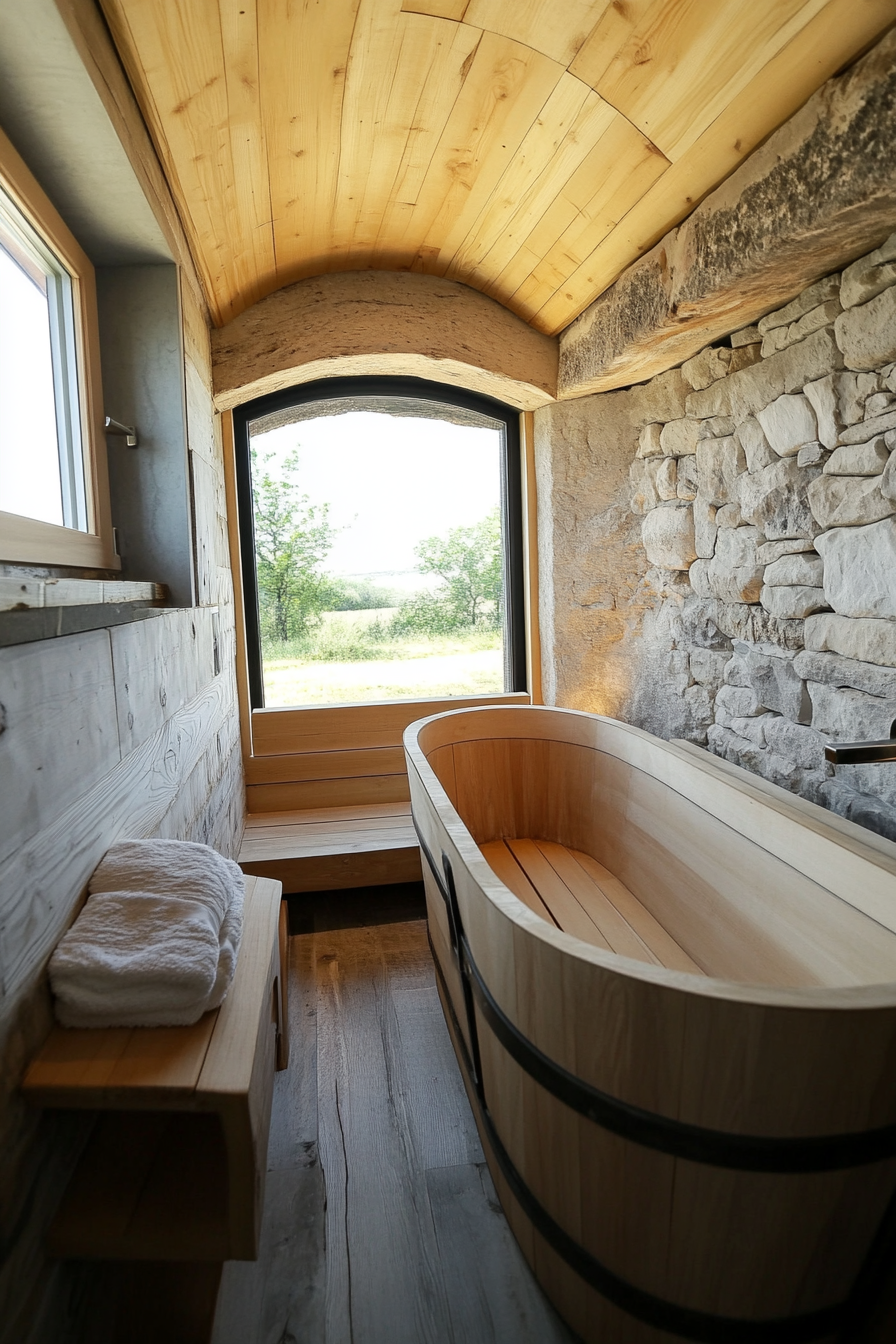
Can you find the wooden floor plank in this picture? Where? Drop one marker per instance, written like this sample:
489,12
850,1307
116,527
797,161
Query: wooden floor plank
492,1296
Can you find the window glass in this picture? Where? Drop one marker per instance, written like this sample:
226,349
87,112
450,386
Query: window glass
41,464
379,554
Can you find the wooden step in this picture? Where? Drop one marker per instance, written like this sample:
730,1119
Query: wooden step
332,848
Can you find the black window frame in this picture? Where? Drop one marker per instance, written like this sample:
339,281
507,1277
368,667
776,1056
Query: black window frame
421,389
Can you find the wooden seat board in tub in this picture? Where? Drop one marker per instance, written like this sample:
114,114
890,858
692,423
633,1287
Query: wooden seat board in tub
174,1168
672,990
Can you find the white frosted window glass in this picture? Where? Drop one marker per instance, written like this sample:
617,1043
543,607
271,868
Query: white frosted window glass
30,481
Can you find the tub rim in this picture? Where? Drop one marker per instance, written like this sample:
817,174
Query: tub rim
834,830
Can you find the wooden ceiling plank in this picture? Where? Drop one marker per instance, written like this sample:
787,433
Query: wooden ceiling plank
180,58
683,64
436,9
538,24
531,187
303,54
837,33
505,88
366,138
198,230
429,77
570,122
239,36
623,166
438,97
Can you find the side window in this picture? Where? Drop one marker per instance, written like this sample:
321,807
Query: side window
380,528
54,505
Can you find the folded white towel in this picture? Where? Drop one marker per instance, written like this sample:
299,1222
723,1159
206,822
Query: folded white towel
170,868
229,936
135,959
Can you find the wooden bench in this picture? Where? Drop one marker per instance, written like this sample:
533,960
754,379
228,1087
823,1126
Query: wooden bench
174,1168
582,897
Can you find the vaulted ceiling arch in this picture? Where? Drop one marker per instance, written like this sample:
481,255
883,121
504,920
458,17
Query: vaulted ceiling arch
528,150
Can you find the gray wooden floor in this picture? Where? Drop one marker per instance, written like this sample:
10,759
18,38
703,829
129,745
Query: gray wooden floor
381,1223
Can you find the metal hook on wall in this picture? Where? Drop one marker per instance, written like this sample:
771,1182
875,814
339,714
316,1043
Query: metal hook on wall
129,432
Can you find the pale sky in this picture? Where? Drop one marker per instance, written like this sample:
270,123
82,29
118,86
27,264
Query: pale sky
390,482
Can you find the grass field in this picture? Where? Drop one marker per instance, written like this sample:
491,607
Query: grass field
341,663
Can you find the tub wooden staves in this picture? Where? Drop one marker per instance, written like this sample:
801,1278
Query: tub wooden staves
672,991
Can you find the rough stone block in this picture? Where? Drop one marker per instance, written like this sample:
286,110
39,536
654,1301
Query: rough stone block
754,625
707,367
643,486
783,337
737,672
744,357
687,477
850,716
809,360
793,603
775,500
867,429
708,665
823,398
866,334
752,729
729,516
776,685
823,291
811,455
751,437
649,444
711,401
746,336
719,463
737,702
734,573
788,422
870,275
696,624
803,570
659,400
680,437
730,746
848,501
862,808
850,402
698,577
864,640
888,479
859,567
668,536
835,670
717,427
667,479
773,550
879,403
802,745
705,527
858,459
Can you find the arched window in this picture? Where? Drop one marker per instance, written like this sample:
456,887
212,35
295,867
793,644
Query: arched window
381,543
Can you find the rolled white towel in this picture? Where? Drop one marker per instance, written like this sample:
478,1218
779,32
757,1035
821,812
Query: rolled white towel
229,938
171,868
136,959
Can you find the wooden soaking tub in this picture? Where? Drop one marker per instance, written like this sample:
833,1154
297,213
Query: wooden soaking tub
672,991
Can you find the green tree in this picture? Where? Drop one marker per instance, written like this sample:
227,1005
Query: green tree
468,561
292,540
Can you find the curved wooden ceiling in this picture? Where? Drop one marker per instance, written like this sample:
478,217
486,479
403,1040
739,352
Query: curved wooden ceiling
529,148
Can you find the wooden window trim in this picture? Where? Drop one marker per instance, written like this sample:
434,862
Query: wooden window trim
28,540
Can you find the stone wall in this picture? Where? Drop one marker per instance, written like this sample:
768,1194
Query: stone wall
743,587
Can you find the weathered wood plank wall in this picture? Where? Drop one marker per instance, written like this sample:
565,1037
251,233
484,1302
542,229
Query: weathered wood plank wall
127,731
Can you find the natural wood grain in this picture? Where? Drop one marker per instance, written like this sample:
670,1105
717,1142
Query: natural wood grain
312,765
326,793
766,896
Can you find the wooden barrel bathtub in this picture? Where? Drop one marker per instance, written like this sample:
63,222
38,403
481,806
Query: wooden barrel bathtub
672,991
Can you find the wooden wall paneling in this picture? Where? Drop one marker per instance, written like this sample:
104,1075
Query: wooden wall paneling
210,528
327,793
159,665
530,557
312,765
43,881
278,732
60,731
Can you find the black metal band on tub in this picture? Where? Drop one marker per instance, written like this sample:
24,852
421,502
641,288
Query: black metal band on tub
712,1147
699,1326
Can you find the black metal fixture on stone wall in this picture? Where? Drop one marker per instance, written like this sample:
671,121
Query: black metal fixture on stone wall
863,753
